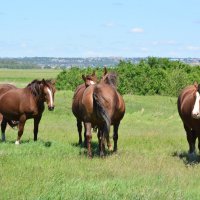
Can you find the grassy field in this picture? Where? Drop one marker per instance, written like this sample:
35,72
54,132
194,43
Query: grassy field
21,77
151,162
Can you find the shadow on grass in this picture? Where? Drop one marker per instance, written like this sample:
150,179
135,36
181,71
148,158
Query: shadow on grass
21,142
94,147
188,159
45,143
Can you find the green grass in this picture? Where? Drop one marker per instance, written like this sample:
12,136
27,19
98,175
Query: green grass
21,77
151,162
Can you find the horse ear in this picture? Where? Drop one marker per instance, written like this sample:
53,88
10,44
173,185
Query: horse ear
83,77
105,71
43,81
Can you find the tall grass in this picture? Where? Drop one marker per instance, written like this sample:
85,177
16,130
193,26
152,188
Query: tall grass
151,162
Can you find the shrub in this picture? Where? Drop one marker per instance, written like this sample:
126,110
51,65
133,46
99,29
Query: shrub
152,76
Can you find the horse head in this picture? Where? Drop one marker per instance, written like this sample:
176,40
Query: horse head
196,108
109,78
49,91
90,79
43,91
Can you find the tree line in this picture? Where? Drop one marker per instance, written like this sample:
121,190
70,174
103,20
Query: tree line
151,76
14,64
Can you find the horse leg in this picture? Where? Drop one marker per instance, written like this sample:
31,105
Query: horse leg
191,138
115,135
36,125
88,138
85,139
109,145
198,142
20,128
101,142
79,127
3,128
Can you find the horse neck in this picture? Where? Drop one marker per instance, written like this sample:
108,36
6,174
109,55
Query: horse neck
39,100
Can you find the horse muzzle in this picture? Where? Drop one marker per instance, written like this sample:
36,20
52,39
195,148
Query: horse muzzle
196,115
50,108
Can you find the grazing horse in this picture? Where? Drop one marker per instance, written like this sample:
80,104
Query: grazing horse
3,89
76,103
20,104
103,106
189,111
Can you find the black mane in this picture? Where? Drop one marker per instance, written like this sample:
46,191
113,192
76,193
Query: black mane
35,87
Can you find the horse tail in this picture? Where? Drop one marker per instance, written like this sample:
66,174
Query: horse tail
101,112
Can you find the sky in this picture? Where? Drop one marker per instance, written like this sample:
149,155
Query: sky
100,28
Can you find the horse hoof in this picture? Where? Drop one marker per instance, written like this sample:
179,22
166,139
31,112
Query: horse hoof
110,148
89,155
101,154
17,142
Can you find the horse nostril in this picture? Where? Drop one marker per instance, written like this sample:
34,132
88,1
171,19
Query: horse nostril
51,108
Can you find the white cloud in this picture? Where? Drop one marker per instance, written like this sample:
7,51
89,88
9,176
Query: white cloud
137,30
193,48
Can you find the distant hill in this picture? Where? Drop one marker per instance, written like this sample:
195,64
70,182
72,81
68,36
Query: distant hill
54,62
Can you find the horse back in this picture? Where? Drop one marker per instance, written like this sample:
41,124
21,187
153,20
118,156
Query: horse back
6,87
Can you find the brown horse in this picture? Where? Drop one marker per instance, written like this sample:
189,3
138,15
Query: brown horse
189,111
76,102
103,106
3,89
26,103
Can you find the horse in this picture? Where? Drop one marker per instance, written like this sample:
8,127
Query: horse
76,102
3,89
103,106
189,112
21,104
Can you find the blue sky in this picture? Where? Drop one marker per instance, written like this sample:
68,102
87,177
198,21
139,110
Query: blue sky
89,28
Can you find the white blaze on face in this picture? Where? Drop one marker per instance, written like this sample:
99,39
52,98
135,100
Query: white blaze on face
92,82
195,111
50,97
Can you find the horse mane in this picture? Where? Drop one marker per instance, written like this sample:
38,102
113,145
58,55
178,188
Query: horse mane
34,87
111,79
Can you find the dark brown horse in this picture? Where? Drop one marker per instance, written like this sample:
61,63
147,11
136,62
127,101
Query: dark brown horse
26,103
77,99
189,111
103,106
